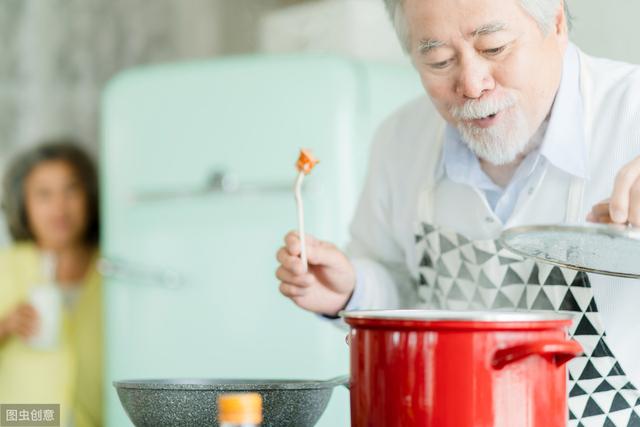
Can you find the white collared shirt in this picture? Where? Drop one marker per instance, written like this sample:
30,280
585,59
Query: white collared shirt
563,145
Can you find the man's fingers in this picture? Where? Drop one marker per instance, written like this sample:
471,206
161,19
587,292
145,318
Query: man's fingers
292,291
296,236
600,213
625,180
323,253
283,255
303,280
318,252
601,208
291,263
602,219
292,242
634,204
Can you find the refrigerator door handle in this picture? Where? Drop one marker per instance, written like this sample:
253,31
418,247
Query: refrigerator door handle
130,272
219,182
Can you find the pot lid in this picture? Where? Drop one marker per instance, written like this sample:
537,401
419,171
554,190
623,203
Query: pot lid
459,316
612,250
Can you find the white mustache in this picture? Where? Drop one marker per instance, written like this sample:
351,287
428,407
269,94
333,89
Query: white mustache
478,109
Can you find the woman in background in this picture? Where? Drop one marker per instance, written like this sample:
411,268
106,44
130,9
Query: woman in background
50,200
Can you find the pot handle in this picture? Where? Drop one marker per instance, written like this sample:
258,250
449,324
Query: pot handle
560,351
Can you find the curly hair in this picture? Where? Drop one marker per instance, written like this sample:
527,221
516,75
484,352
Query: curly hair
13,195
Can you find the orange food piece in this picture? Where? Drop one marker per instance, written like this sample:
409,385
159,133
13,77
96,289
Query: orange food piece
306,161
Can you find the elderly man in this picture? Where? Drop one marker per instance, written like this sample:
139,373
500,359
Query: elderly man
519,127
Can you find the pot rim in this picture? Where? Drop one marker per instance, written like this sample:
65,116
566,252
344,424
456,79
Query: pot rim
417,315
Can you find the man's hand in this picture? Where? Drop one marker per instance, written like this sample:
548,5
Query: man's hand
23,322
624,205
329,282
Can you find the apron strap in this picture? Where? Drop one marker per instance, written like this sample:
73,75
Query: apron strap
575,199
426,210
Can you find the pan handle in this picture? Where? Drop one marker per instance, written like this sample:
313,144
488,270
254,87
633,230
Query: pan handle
342,380
559,351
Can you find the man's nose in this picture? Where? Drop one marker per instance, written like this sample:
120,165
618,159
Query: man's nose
474,80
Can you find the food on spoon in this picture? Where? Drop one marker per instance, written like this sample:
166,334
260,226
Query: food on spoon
306,161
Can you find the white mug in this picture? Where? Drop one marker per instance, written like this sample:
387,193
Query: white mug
47,302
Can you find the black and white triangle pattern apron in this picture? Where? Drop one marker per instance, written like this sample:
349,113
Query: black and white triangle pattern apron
459,274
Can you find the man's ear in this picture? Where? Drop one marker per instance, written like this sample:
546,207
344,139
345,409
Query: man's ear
561,25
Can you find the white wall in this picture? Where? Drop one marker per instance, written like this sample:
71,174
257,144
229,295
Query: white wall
357,28
607,28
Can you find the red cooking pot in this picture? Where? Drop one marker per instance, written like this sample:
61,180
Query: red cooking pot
459,368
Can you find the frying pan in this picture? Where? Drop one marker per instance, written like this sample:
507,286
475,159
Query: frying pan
193,402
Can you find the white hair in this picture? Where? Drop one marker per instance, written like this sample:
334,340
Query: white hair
543,11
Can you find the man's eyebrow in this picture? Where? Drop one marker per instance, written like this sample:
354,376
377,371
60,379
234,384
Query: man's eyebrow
490,28
427,45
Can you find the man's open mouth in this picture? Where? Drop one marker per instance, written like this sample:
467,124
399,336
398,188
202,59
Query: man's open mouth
485,121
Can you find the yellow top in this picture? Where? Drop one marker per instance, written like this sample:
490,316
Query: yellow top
70,375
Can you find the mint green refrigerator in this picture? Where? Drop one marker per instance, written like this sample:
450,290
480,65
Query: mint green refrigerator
197,194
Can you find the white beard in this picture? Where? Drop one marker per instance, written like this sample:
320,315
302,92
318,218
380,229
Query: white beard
501,143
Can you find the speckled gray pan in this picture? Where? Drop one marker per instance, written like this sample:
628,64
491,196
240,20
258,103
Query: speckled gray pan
176,403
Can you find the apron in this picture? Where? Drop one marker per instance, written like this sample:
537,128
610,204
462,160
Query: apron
457,273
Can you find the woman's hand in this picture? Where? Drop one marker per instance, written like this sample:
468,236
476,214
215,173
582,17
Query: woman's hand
22,322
